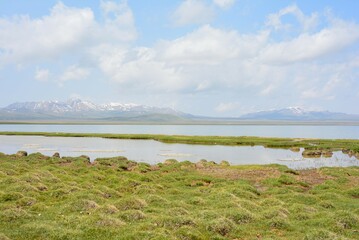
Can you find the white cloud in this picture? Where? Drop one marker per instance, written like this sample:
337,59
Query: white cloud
307,22
24,39
209,45
193,12
312,46
226,107
65,31
212,59
119,22
42,75
206,60
224,4
74,73
139,69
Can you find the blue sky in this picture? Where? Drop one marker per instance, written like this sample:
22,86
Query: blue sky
205,57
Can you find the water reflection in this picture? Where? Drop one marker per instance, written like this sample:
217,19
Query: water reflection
152,152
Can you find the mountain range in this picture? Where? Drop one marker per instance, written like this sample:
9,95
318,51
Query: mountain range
79,110
76,109
299,114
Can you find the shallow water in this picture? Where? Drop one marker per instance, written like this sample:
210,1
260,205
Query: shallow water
152,152
302,131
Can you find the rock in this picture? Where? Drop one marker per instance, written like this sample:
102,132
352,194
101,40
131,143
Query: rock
312,153
56,155
21,154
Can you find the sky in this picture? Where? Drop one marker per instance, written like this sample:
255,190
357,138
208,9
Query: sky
205,57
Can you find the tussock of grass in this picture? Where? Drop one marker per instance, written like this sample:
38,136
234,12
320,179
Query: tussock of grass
115,198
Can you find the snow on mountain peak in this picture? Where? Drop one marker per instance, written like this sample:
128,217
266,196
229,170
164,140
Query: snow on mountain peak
77,105
296,110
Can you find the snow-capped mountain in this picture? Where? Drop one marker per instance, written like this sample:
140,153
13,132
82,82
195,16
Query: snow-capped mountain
74,105
79,110
76,109
77,105
297,113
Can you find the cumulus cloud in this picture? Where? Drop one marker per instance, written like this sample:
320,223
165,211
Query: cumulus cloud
206,59
64,31
312,46
213,59
119,22
307,22
193,12
210,45
226,107
224,4
42,75
74,73
140,69
23,38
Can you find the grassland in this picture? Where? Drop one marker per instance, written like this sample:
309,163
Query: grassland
114,198
310,144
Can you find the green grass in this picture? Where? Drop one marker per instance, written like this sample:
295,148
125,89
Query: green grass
350,145
71,198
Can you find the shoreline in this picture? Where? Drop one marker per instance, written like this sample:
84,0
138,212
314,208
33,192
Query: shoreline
351,145
194,123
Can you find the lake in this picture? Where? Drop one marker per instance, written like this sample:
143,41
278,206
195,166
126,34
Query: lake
153,152
302,131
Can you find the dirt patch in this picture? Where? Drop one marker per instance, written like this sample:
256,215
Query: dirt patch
312,177
256,175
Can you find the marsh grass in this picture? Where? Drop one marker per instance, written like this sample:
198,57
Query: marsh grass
115,198
346,145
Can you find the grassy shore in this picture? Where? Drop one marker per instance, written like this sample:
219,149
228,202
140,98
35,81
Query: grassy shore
114,198
311,144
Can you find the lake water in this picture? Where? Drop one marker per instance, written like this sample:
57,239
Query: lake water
303,131
152,152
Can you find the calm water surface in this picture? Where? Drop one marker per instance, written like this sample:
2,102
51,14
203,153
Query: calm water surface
332,132
153,152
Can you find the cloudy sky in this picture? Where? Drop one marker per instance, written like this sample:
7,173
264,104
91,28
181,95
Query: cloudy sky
205,57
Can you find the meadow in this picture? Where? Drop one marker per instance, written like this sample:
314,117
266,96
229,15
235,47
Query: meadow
114,198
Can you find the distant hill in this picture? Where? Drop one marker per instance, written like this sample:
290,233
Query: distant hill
79,110
76,109
299,114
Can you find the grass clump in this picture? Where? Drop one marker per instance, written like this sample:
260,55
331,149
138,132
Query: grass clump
222,226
